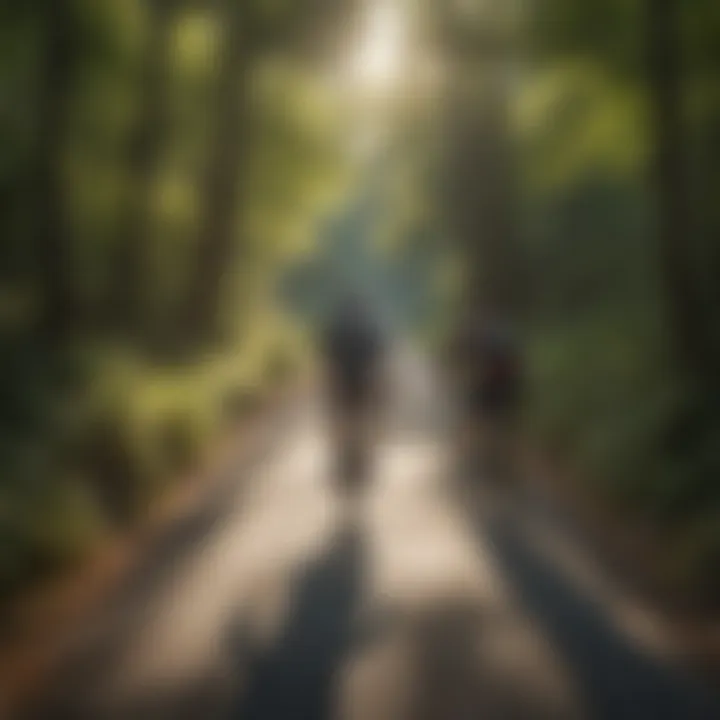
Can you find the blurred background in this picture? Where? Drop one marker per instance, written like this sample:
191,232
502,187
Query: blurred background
188,186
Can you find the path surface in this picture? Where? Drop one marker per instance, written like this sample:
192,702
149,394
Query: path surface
277,601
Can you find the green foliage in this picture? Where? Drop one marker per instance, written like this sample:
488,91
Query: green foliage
97,422
574,120
605,389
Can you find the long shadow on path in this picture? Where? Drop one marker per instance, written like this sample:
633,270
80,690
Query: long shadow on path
297,679
617,680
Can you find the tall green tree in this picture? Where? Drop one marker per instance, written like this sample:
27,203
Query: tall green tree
128,289
217,242
676,226
479,173
58,69
251,31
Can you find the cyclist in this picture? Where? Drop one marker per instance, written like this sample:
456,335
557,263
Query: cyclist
489,374
352,349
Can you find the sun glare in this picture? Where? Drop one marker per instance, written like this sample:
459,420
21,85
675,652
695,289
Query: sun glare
379,58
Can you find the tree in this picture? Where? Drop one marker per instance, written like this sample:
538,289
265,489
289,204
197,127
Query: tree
52,242
479,172
216,242
128,283
251,31
676,229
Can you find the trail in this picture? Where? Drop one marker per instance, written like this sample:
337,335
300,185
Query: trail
281,601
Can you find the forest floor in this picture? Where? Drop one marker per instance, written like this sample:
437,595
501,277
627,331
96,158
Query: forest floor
271,596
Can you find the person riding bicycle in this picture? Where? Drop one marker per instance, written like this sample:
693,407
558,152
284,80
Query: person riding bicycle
489,373
352,349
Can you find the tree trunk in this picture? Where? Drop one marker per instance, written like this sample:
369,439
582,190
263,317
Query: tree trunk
128,294
480,202
53,249
685,316
219,224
